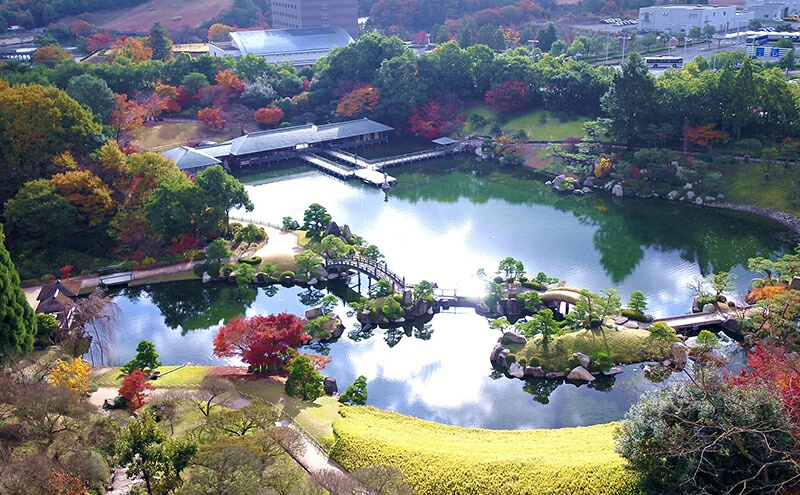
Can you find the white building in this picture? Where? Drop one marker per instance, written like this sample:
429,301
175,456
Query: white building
682,18
299,47
772,10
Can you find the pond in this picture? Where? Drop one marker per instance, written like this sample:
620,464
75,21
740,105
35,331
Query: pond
442,222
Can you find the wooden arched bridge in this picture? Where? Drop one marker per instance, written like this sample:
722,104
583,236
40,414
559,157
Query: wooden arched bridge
373,269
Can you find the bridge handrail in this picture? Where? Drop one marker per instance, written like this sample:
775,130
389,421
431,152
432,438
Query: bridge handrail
359,262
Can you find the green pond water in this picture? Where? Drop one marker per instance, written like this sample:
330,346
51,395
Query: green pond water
443,221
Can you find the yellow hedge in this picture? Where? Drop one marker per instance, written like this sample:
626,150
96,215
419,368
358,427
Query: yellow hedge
450,460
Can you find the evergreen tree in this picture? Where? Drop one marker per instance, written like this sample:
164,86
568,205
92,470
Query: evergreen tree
356,393
146,358
17,320
159,42
304,381
632,100
465,36
547,37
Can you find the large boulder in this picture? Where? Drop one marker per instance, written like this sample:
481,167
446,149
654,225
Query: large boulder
513,338
512,307
206,278
420,308
516,370
333,229
329,385
613,371
495,352
678,354
482,308
580,373
555,374
407,299
559,180
589,182
295,225
312,313
582,358
337,327
617,190
672,195
690,195
795,283
321,273
346,232
498,309
501,357
261,279
534,371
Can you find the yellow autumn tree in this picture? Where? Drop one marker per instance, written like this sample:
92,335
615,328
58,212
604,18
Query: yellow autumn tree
603,167
73,375
219,32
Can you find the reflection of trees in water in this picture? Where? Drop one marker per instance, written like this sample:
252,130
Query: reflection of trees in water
359,333
322,348
192,306
310,297
716,240
270,290
392,336
541,389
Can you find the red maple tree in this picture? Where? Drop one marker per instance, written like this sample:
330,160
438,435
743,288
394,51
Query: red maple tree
230,82
134,389
432,119
212,117
268,116
360,101
509,96
263,342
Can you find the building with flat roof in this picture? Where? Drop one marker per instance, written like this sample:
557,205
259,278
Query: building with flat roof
772,10
278,144
297,46
677,19
316,13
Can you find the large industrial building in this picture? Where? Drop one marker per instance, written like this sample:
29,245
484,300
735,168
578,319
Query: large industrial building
772,10
299,47
316,13
677,19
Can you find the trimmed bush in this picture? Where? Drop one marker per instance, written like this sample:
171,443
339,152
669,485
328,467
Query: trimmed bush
48,278
287,274
634,315
498,280
438,459
255,260
533,285
511,358
198,270
213,270
534,361
523,279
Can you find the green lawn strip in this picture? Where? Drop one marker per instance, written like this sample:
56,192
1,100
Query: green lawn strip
169,133
552,130
746,185
624,346
171,376
164,277
316,417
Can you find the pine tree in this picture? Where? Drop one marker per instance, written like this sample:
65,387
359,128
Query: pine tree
159,42
304,381
17,321
547,37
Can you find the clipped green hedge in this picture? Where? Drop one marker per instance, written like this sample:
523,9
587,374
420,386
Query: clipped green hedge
287,274
634,315
532,284
438,459
255,260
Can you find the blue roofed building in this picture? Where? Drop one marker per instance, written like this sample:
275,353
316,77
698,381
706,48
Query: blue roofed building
299,47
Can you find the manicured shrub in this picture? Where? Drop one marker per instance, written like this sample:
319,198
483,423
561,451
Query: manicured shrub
533,285
48,278
391,309
523,362
234,229
523,279
498,280
287,274
438,459
254,260
198,270
534,361
511,358
602,362
633,315
213,270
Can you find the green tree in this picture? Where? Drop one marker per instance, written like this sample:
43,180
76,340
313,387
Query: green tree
547,36
356,393
400,88
709,30
316,220
222,192
542,323
17,320
392,310
558,48
695,32
175,208
307,262
465,36
159,42
146,358
147,452
372,252
304,381
193,82
631,101
707,341
787,61
335,246
638,302
245,274
722,282
423,290
382,288
39,213
511,268
218,251
92,92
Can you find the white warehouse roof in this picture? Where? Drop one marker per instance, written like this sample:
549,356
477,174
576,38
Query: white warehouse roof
273,41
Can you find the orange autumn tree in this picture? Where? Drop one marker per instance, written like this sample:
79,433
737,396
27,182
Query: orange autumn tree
706,136
63,483
133,49
230,82
170,96
358,102
50,56
134,389
212,117
268,116
127,116
88,194
73,375
219,32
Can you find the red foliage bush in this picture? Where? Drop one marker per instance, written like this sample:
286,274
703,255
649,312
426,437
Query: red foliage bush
260,341
134,389
509,96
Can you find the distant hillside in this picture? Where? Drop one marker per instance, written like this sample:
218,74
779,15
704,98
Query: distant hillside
174,14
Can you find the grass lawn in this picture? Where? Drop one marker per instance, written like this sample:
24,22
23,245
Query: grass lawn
171,376
625,346
746,185
166,277
168,134
552,130
438,459
282,262
316,417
